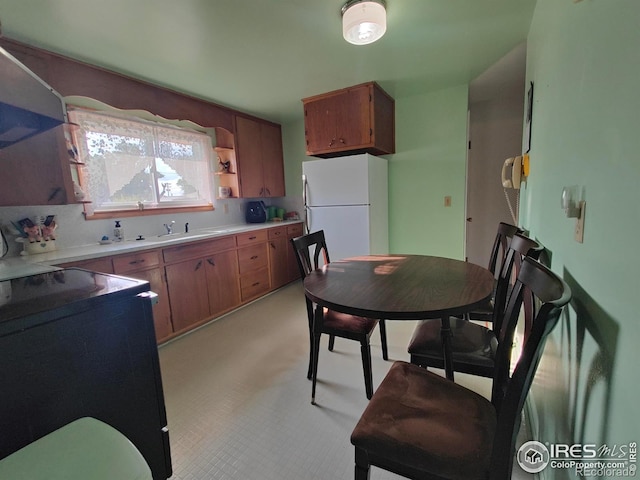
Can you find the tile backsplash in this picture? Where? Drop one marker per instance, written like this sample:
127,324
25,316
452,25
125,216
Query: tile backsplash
73,230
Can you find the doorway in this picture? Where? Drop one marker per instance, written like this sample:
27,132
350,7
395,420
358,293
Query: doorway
496,115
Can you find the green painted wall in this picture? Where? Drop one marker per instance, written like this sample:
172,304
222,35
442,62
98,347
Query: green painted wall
293,146
584,60
429,164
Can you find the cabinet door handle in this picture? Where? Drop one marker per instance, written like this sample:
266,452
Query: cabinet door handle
255,284
342,140
333,140
254,257
252,238
198,265
268,192
272,245
211,262
135,262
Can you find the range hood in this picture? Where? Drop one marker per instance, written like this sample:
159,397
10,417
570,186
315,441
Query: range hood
28,105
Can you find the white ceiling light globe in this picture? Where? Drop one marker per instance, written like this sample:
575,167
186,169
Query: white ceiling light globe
363,22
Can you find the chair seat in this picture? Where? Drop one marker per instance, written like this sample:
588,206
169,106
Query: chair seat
470,343
405,422
350,323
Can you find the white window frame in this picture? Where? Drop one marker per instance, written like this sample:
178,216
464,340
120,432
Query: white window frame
152,135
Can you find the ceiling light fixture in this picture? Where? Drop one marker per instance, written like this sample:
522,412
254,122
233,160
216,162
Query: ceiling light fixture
363,21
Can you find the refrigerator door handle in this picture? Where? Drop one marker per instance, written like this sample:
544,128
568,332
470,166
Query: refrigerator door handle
304,190
307,215
304,202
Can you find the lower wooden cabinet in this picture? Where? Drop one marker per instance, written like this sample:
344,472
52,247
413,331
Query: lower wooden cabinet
162,309
100,265
203,288
199,281
142,266
222,282
146,266
277,246
293,270
188,293
253,264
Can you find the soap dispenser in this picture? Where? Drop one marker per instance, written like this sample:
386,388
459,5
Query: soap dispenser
118,232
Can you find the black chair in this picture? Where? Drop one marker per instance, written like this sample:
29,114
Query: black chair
425,427
504,235
335,324
474,347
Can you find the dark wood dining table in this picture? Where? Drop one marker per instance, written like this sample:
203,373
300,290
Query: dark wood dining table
402,287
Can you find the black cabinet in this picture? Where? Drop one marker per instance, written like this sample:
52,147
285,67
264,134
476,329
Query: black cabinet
75,343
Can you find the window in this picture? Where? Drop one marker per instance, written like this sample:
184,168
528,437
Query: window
132,164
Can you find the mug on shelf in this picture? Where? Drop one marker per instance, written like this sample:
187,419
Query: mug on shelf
224,192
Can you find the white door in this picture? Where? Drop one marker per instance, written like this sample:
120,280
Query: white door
346,229
496,110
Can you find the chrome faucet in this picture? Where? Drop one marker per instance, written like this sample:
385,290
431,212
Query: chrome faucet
169,227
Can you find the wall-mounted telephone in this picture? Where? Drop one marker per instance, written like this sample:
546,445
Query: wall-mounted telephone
512,172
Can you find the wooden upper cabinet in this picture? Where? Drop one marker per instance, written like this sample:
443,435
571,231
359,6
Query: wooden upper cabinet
358,119
272,160
259,158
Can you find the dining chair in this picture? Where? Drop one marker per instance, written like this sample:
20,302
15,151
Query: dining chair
308,250
473,346
504,234
425,427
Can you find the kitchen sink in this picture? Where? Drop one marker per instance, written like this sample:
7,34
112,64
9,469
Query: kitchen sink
167,237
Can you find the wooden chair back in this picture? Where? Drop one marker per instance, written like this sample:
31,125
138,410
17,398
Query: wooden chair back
308,250
510,389
519,248
499,250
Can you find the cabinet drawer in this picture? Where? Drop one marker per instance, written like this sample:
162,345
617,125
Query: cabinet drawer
294,230
254,284
252,258
135,261
277,232
251,238
199,249
102,265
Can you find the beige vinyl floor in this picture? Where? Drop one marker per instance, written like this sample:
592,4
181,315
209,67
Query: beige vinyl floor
238,400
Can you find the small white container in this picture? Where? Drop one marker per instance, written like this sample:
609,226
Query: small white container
38,247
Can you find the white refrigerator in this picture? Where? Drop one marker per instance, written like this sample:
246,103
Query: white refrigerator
348,198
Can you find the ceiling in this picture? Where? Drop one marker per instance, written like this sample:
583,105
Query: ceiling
263,56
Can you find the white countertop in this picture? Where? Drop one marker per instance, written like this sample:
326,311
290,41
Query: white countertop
16,267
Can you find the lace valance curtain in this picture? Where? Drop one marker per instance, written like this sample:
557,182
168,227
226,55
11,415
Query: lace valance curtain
128,161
